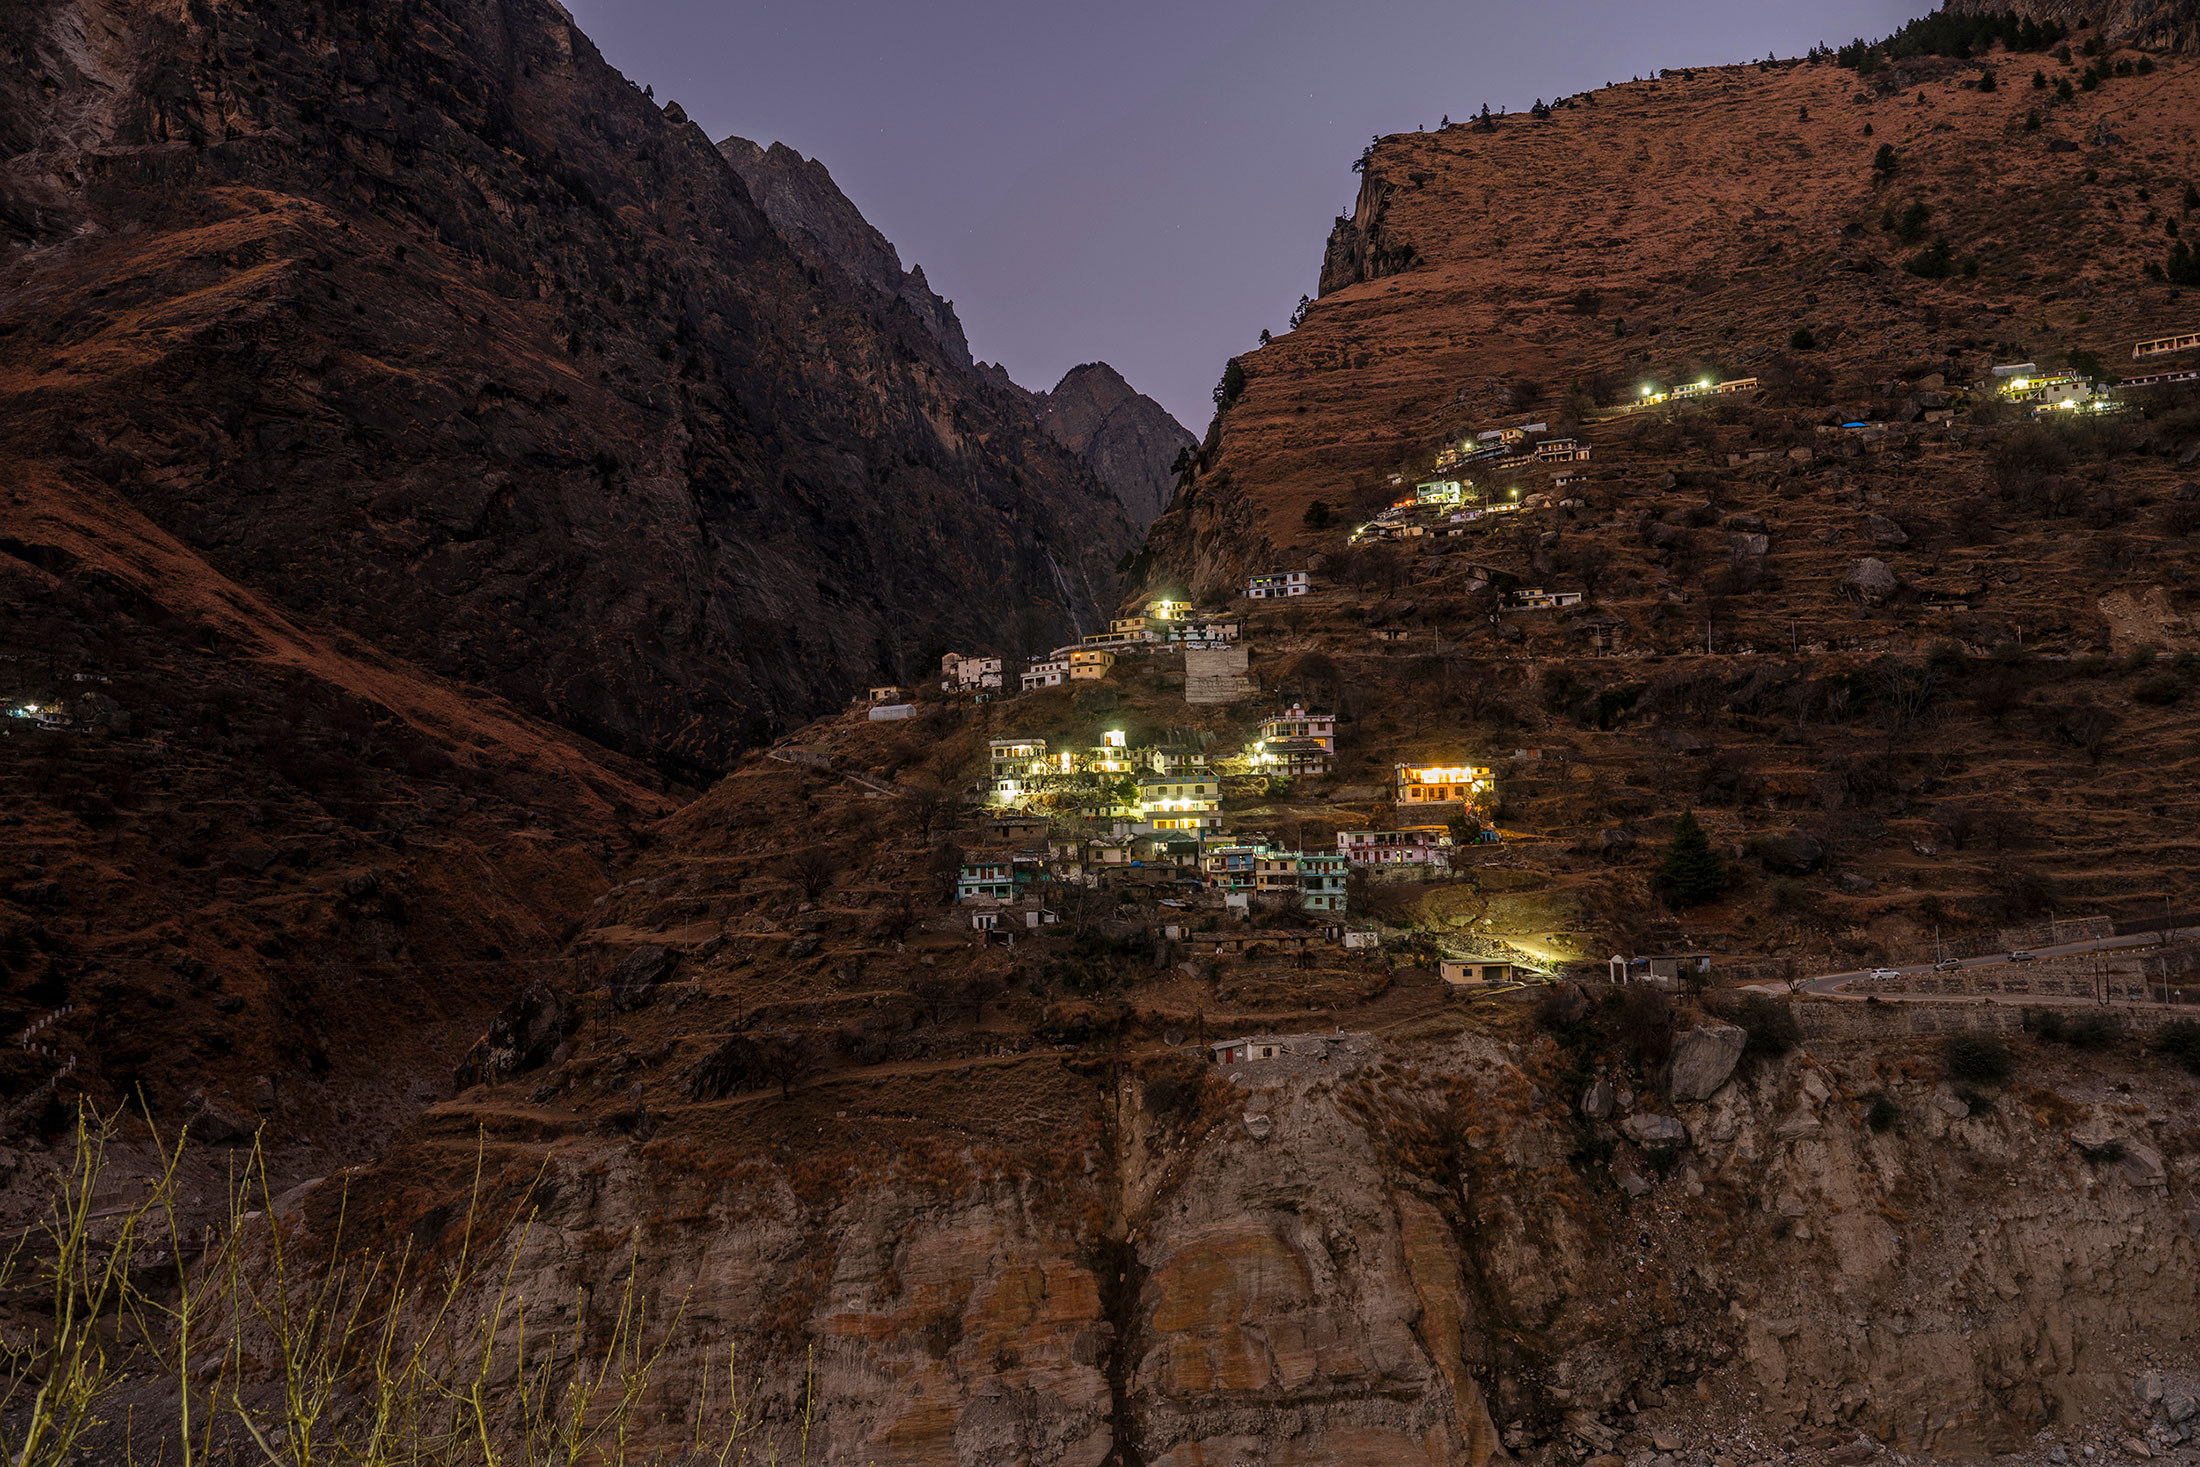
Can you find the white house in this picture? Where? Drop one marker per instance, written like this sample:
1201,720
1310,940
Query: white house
960,674
1276,584
1050,671
1295,722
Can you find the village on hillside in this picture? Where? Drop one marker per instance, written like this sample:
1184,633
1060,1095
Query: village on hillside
1206,833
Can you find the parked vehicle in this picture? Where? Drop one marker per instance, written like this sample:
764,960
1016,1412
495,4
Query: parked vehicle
2020,956
1947,965
1886,972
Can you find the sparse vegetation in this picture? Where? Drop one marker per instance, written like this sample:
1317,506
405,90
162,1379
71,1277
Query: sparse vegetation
1882,1115
1978,1059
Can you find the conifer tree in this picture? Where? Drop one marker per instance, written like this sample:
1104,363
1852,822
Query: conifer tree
1691,872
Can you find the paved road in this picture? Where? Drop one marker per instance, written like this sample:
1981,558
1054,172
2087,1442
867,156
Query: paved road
1835,985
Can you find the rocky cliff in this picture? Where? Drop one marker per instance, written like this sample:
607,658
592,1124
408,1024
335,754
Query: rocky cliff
1129,441
819,223
2169,24
430,326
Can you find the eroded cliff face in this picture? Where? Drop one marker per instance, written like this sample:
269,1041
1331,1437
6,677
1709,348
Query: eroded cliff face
425,324
1406,1251
821,225
2171,24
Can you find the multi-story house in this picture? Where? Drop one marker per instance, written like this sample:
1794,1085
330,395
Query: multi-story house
1188,800
1445,784
1322,877
960,674
1278,583
1050,671
1295,722
1089,664
986,878
1421,845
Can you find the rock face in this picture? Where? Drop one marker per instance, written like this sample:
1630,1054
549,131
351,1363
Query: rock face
820,224
1703,1058
2169,24
434,329
1128,440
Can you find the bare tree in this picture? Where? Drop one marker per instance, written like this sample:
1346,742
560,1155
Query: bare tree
788,1056
926,803
812,871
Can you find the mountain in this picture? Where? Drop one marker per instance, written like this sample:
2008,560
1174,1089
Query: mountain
424,461
819,223
1129,441
430,326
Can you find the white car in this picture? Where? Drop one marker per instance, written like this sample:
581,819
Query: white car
2021,956
1886,973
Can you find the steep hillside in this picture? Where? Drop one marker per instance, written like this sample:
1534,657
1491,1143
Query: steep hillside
2166,24
423,322
1862,600
951,1203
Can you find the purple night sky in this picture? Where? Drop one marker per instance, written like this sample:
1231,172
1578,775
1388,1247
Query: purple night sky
1139,182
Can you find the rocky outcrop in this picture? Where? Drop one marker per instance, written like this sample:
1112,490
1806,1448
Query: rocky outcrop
820,224
434,329
2172,25
1128,440
1702,1059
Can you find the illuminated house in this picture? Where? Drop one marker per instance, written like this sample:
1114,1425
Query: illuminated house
1322,878
1090,664
1439,492
1420,845
1110,756
1014,756
1561,451
963,674
1050,671
1445,784
2039,386
1163,609
888,695
1278,584
1186,801
1296,723
1135,633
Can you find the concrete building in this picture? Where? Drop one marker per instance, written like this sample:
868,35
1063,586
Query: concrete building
1276,584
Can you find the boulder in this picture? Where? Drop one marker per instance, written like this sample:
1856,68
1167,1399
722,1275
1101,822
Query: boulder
1748,524
1614,844
1703,1058
1871,580
635,980
1596,1101
1656,1131
216,1124
1789,853
525,1035
1885,531
1749,547
1854,883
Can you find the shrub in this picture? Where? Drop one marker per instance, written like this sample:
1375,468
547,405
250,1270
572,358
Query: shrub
1769,1023
1803,339
1882,1114
2160,690
2180,1040
2108,1153
1646,1023
1986,82
1910,228
2085,1029
1886,163
2039,84
1318,515
1980,1059
1937,261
